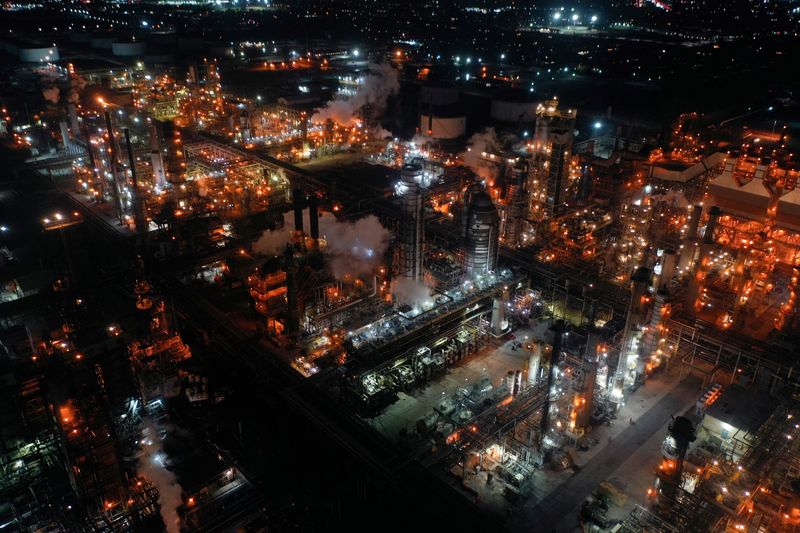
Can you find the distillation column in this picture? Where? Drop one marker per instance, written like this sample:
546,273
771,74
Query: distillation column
411,235
689,245
516,200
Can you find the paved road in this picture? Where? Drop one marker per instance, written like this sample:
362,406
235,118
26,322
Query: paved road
545,515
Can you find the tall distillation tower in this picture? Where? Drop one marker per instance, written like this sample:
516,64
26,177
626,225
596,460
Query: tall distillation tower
411,234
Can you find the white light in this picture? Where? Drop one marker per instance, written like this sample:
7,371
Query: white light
557,16
598,125
575,17
594,18
355,53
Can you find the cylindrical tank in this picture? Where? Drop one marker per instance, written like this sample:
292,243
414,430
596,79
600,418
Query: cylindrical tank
514,107
127,49
80,37
190,43
482,235
38,55
103,42
433,95
442,127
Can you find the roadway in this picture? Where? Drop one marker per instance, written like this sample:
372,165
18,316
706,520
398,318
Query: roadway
558,510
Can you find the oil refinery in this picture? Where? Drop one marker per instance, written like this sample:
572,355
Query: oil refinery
348,278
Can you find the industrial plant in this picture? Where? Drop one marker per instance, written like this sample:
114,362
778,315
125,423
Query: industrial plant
262,275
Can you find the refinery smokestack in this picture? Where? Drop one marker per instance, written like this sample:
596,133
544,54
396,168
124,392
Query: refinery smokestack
138,208
113,158
411,225
297,197
313,218
694,222
713,218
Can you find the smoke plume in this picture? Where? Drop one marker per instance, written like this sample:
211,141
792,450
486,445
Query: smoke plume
51,94
412,292
485,141
381,82
151,465
354,248
76,86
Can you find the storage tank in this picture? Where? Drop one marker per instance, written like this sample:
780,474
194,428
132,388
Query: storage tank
190,43
435,95
127,49
443,122
514,107
38,54
103,42
84,38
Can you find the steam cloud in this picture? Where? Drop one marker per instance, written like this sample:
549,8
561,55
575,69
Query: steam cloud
51,94
76,86
485,141
381,82
151,466
354,248
419,139
411,292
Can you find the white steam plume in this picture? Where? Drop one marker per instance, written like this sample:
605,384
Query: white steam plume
485,141
381,82
354,248
412,292
420,140
381,133
51,94
151,465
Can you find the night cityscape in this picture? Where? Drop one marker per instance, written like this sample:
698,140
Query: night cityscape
374,265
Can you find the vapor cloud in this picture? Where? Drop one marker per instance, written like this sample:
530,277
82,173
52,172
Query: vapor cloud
484,141
51,94
354,248
151,465
412,292
381,81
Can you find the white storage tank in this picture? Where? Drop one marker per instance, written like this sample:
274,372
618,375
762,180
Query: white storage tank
443,127
514,107
443,122
38,54
127,49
